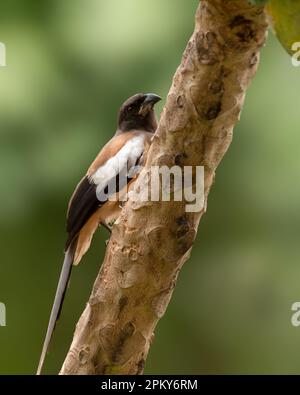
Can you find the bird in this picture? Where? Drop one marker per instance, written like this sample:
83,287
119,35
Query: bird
96,199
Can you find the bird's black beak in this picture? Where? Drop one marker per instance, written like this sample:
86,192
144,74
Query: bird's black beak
150,100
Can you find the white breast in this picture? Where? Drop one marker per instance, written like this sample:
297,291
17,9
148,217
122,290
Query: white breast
125,158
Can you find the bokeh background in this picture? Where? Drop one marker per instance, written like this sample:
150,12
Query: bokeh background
70,64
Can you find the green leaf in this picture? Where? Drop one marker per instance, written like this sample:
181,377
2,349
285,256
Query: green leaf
285,20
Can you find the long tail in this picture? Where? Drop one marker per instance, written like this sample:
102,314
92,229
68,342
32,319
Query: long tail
58,301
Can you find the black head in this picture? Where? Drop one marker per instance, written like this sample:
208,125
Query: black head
137,113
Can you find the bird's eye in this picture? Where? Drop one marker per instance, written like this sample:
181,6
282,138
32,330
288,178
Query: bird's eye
129,108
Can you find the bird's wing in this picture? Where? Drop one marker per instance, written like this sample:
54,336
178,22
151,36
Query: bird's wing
111,171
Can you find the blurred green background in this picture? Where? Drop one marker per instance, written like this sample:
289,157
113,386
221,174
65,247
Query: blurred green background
70,64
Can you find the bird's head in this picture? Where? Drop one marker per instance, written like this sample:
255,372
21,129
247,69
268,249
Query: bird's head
137,113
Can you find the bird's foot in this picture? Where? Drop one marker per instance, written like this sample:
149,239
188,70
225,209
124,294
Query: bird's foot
122,204
108,225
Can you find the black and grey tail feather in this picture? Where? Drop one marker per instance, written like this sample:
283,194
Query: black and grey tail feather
58,301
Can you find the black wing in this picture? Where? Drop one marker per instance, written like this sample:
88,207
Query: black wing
84,203
82,206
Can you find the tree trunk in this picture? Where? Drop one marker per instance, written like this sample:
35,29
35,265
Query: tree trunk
151,240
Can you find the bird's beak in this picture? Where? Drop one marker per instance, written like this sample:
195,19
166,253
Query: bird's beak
150,100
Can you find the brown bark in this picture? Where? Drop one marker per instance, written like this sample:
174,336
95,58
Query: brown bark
151,240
